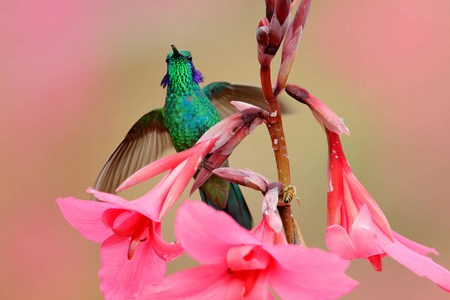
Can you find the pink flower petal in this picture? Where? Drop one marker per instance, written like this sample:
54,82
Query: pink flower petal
166,163
263,232
280,239
261,289
416,247
222,130
86,217
228,130
127,223
227,142
361,243
228,133
196,226
270,201
339,173
203,282
286,65
298,272
243,105
421,265
335,183
107,197
362,196
323,114
110,215
291,42
158,167
267,232
247,257
363,234
167,251
122,278
186,171
147,205
244,177
151,203
274,221
339,242
250,284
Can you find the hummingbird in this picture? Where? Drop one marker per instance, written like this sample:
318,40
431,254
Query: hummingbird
188,112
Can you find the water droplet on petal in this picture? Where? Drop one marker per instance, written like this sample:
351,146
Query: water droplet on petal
330,187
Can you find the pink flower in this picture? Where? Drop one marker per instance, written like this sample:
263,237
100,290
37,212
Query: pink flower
227,134
357,228
255,181
248,178
133,253
188,160
240,264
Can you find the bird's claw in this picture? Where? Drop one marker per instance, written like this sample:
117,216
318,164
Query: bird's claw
207,164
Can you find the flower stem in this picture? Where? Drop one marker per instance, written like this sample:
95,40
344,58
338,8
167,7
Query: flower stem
276,132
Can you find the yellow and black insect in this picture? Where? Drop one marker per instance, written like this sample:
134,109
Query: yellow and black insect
290,193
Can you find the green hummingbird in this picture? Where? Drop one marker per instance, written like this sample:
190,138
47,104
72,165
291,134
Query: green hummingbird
188,112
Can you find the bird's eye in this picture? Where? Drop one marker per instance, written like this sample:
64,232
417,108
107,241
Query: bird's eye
189,58
167,60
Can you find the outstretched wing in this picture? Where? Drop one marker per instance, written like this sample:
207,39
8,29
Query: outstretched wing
144,143
221,93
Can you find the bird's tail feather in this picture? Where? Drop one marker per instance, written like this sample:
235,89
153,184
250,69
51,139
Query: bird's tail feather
236,206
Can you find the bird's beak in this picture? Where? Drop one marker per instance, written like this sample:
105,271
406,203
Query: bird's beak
175,51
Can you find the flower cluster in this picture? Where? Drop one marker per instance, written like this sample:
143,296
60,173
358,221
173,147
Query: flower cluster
236,263
133,253
357,227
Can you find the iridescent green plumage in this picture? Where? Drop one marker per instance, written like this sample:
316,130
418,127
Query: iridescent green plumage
189,111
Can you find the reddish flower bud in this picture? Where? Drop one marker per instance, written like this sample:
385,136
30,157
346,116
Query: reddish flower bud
244,177
229,133
262,35
323,114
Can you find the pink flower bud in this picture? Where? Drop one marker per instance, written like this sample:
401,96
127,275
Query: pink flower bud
244,177
291,42
323,114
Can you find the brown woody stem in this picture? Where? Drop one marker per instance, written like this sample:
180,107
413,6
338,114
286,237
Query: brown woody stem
276,132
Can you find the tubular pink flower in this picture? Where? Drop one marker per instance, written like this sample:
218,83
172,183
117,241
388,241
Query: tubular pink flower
345,194
228,133
247,178
133,253
291,42
255,181
357,228
323,114
191,156
239,264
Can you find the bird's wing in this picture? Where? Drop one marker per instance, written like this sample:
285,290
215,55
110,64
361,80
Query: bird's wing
221,93
144,143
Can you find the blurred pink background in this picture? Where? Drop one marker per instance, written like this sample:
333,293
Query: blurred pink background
76,75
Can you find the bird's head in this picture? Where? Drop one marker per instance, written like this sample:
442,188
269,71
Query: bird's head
180,68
